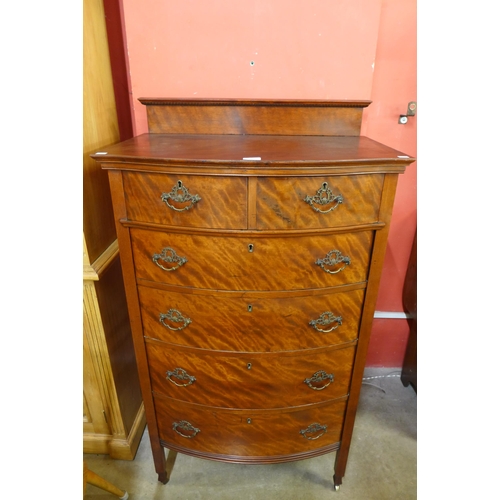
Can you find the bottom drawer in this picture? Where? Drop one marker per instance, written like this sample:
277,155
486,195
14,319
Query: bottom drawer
257,436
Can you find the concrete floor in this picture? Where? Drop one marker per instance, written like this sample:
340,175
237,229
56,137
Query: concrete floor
382,461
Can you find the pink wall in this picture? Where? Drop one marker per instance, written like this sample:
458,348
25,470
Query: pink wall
347,49
394,86
300,49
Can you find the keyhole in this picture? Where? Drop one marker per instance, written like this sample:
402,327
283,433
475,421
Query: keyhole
325,185
249,307
249,366
250,247
179,184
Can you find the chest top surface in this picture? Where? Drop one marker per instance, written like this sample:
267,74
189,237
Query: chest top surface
253,150
249,135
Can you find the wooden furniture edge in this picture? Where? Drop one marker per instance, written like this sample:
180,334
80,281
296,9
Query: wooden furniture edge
180,101
118,448
254,116
92,271
99,356
379,249
123,234
126,449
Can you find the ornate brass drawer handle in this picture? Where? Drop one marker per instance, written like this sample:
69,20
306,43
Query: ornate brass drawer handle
333,258
185,426
324,196
326,319
182,375
169,256
180,194
311,432
174,316
319,377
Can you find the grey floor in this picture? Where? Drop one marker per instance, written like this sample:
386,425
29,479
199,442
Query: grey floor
382,461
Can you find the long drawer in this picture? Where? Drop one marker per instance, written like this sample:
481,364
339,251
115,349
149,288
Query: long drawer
251,263
186,200
250,380
317,202
241,322
249,435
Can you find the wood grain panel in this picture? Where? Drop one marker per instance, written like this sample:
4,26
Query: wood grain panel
219,154
100,128
226,263
270,433
222,204
341,118
250,380
281,201
239,322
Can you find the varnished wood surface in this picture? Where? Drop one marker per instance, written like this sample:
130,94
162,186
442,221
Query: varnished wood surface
100,127
224,322
240,358
223,200
270,433
114,420
294,151
376,266
119,209
111,294
281,202
251,116
274,264
250,380
268,103
285,118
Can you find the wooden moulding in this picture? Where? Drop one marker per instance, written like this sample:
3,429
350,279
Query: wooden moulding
92,272
254,117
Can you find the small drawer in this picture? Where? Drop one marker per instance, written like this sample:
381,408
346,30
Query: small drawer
252,263
250,380
230,322
252,436
186,200
317,202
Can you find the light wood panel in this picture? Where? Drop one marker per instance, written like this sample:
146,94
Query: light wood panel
114,418
100,127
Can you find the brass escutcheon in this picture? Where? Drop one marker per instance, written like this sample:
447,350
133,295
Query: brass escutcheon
185,426
324,196
174,316
168,256
180,194
310,432
333,257
319,377
325,319
180,374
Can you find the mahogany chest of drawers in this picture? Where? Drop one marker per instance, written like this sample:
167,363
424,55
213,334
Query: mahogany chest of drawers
252,237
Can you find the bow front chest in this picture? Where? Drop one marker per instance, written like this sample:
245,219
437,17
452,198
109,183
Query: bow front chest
252,237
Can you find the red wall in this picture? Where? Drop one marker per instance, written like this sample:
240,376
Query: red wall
348,49
394,86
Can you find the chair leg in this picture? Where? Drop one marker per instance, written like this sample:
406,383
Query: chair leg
96,480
